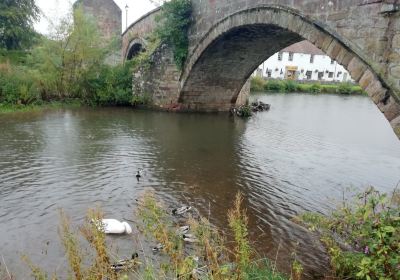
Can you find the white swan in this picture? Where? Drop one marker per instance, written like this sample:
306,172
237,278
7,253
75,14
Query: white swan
113,226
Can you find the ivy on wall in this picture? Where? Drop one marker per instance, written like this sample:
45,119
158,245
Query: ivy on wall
173,28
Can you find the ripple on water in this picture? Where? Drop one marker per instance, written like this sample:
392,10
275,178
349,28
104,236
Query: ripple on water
295,158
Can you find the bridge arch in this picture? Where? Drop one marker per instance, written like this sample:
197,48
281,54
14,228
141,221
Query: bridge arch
235,46
136,46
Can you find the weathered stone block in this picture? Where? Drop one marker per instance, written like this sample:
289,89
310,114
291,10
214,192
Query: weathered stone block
391,109
356,68
367,78
395,71
376,91
334,49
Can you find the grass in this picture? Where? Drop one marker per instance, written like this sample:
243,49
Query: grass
259,84
210,257
13,108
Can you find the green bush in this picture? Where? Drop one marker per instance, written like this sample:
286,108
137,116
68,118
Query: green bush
17,86
290,86
344,88
358,90
257,84
363,238
275,85
329,88
315,88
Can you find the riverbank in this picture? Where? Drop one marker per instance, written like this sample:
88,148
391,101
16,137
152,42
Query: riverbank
284,86
52,105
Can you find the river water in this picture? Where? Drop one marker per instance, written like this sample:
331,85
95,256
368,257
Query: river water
299,156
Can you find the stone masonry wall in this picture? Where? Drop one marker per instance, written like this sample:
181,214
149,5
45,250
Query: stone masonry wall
159,81
107,15
371,27
362,35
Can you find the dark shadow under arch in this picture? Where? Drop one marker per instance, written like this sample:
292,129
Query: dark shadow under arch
135,47
231,50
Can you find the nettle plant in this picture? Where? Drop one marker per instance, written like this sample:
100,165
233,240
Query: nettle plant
362,237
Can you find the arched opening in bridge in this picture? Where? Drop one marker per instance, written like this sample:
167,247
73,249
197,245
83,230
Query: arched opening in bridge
134,50
219,66
301,62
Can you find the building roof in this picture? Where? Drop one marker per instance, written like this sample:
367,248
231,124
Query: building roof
304,47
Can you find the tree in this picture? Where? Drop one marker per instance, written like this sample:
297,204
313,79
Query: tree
16,21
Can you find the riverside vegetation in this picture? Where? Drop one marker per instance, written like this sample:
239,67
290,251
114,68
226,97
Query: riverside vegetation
208,256
259,84
69,66
362,237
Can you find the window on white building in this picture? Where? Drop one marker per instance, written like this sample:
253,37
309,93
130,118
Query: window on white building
312,58
332,61
290,56
308,75
280,56
330,75
269,73
320,75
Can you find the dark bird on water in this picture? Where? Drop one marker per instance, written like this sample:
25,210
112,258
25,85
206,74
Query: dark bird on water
139,174
125,264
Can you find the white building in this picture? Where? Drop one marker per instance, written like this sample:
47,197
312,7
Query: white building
304,62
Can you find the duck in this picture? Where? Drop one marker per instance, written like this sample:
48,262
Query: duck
181,210
125,264
200,272
182,230
190,238
139,174
113,226
158,247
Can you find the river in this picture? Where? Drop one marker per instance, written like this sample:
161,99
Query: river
297,157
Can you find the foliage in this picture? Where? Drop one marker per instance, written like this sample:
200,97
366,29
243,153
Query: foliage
274,85
345,88
238,222
315,88
257,84
17,86
173,28
290,86
307,87
69,65
16,21
363,240
207,257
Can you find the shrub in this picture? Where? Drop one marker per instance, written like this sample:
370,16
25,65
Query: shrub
363,238
257,84
18,86
344,88
315,88
290,86
358,90
274,85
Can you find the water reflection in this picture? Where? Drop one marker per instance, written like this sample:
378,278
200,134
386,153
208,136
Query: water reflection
294,158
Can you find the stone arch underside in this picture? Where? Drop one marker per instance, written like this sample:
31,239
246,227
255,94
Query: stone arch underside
231,50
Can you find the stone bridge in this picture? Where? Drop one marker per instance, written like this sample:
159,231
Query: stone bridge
229,39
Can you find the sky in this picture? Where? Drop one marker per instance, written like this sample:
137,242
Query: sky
54,10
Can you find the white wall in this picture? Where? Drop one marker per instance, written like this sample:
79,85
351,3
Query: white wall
322,63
